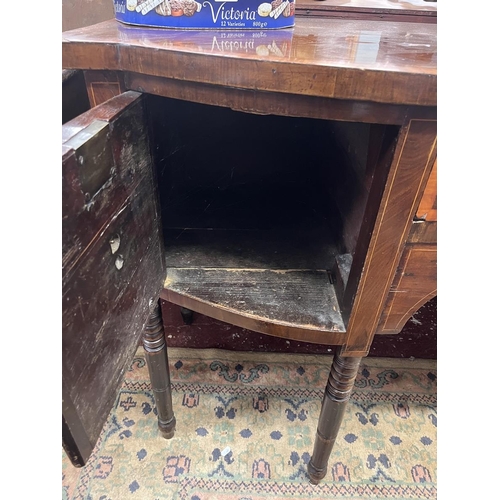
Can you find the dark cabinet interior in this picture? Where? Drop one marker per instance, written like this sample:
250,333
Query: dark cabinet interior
263,213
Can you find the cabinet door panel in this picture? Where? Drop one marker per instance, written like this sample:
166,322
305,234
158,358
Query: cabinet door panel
113,260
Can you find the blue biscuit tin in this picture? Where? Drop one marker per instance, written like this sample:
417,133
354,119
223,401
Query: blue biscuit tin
207,14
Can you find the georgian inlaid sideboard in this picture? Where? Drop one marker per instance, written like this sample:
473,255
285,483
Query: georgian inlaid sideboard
280,181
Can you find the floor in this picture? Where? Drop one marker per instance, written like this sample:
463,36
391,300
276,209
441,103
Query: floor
245,429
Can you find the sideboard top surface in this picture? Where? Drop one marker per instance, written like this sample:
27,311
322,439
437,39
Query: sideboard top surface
388,62
424,7
387,10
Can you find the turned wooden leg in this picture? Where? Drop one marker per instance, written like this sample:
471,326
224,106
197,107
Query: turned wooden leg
153,340
337,393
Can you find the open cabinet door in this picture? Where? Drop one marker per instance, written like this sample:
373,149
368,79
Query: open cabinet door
113,260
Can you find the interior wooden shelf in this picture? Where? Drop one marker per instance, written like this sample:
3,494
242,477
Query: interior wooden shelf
292,303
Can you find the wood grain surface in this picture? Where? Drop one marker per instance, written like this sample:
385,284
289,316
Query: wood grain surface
357,60
412,162
414,285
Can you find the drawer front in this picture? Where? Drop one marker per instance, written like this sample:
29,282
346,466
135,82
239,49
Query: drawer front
113,261
413,285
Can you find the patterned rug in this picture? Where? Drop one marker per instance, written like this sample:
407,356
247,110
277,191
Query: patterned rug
245,430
